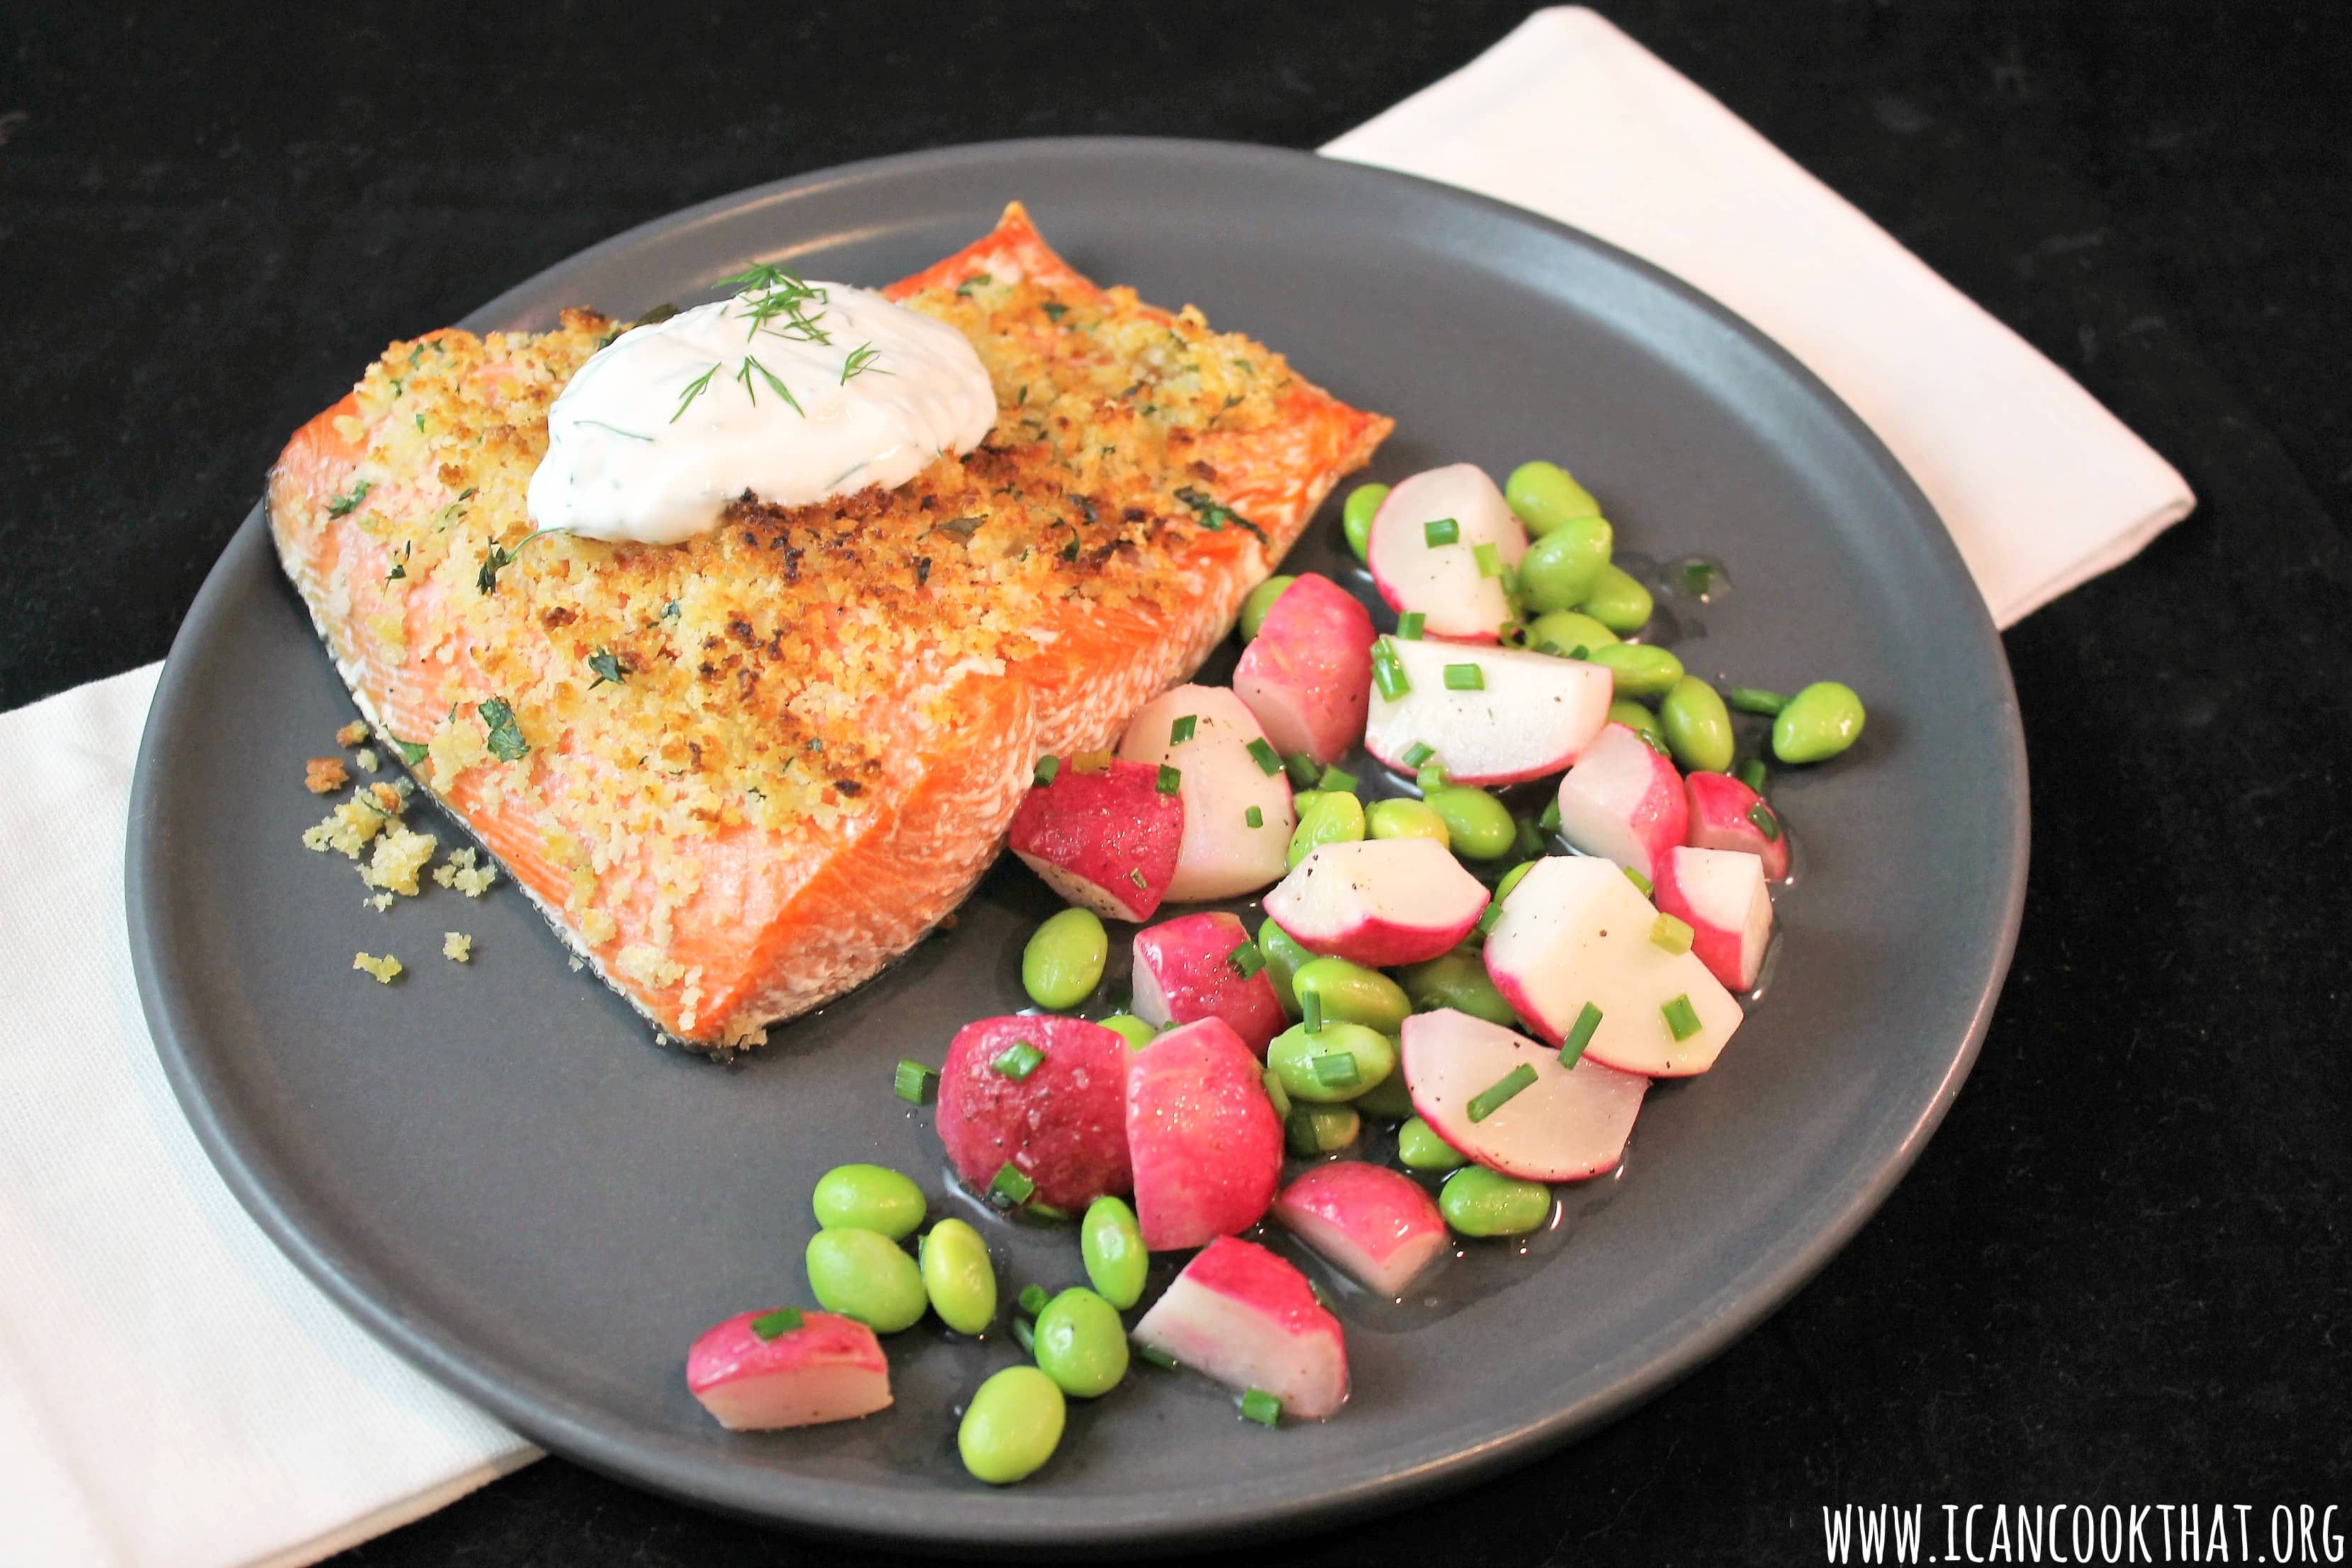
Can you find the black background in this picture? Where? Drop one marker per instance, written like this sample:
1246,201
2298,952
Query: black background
2118,1275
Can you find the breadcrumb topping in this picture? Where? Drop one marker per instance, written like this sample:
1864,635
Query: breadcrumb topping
458,946
324,775
385,969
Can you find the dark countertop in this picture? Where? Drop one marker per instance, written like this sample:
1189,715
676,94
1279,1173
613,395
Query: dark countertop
2119,1275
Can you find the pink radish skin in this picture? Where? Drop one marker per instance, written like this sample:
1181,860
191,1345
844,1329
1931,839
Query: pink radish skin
1248,1319
828,1369
1379,901
1064,1126
1623,802
1219,855
1721,895
1203,1140
1307,673
1570,1123
1106,841
1379,1226
1184,971
1533,715
1719,819
1443,581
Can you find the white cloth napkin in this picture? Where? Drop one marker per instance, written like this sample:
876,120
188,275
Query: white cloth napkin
174,1394
2041,487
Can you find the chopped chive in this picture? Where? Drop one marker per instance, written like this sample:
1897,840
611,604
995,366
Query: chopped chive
1156,1356
1303,769
1490,560
1275,1092
1549,821
1682,1018
1581,654
1390,676
1246,960
1260,1406
1698,578
1640,881
1268,762
1010,1187
1025,1336
1033,1208
1766,823
1751,774
1490,917
1444,531
1170,779
1671,934
1465,678
1337,1069
1017,1060
1253,818
1755,699
1430,776
1417,753
1505,1089
1338,780
1182,730
1032,1299
912,1081
1135,875
782,1321
1310,1009
1580,1035
1409,625
1048,766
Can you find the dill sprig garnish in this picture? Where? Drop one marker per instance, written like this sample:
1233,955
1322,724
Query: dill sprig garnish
608,667
695,389
500,558
861,360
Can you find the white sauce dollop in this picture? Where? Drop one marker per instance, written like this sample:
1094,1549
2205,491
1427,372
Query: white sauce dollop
637,452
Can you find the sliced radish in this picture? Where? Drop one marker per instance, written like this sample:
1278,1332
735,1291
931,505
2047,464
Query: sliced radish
1186,969
1249,1320
1575,932
1721,896
1307,673
1568,1124
1203,1138
827,1369
1444,581
1530,714
1725,814
1106,841
1062,1122
1624,802
1379,901
1222,854
1380,1226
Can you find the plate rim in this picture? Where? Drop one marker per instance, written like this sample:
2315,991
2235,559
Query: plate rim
846,1510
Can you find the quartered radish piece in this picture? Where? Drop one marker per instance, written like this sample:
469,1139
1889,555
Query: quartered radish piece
1306,673
757,1378
1721,896
1624,802
1575,933
1203,1140
1105,841
1444,581
1249,1320
1378,1225
1060,1120
1725,814
1530,713
1379,901
1566,1124
1223,854
1186,969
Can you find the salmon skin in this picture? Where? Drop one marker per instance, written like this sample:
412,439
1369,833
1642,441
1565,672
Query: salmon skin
743,773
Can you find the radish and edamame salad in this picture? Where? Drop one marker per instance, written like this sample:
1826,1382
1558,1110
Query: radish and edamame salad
1513,858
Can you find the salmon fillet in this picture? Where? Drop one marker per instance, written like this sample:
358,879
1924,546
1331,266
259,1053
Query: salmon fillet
743,773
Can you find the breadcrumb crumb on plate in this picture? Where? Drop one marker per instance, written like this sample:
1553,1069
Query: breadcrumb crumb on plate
385,969
324,775
458,946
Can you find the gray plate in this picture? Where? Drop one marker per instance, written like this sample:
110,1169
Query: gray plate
494,1169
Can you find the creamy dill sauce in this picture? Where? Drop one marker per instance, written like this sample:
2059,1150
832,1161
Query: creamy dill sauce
793,392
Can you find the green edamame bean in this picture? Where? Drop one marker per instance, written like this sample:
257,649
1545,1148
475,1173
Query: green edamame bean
1261,599
1295,1055
1404,818
869,1197
1132,1029
1322,1129
957,1276
1477,1201
1012,1426
1387,1101
1283,958
1477,825
1697,726
1457,980
1111,1243
1569,630
1545,496
1819,723
1640,670
1617,601
1333,816
1081,1344
1639,720
1064,961
1560,569
864,1274
1351,993
1419,1148
1356,517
